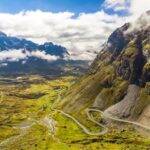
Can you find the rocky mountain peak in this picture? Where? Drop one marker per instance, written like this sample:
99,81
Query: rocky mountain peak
2,34
119,77
117,39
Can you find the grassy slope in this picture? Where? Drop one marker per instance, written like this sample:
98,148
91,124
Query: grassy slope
15,108
106,86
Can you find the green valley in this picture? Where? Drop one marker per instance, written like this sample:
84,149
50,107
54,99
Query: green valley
28,120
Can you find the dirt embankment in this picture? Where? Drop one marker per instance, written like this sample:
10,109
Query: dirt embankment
123,108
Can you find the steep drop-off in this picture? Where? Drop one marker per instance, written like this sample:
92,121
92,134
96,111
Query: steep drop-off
118,80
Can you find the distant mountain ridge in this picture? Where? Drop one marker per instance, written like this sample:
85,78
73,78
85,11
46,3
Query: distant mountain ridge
9,42
21,56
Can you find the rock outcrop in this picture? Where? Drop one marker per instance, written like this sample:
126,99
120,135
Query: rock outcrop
118,80
124,108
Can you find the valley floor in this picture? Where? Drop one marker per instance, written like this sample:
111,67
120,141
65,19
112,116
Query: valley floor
29,122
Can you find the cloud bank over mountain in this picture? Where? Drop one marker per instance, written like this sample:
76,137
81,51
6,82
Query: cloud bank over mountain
16,55
82,35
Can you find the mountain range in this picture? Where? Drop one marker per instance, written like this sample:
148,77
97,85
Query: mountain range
8,42
21,56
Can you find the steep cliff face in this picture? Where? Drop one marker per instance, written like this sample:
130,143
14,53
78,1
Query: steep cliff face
118,78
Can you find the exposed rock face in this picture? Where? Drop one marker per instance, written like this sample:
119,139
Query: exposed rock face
124,107
131,68
117,40
145,116
129,65
119,78
115,44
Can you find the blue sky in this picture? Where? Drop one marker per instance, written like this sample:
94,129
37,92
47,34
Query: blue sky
81,26
76,6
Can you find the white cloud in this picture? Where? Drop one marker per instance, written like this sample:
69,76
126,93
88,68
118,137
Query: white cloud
116,5
83,56
43,55
3,64
137,7
134,7
140,24
81,34
16,55
12,55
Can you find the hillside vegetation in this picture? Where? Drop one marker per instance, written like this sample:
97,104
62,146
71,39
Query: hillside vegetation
27,118
118,81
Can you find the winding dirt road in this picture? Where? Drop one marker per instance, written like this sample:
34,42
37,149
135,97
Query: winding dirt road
51,125
85,130
104,115
109,116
